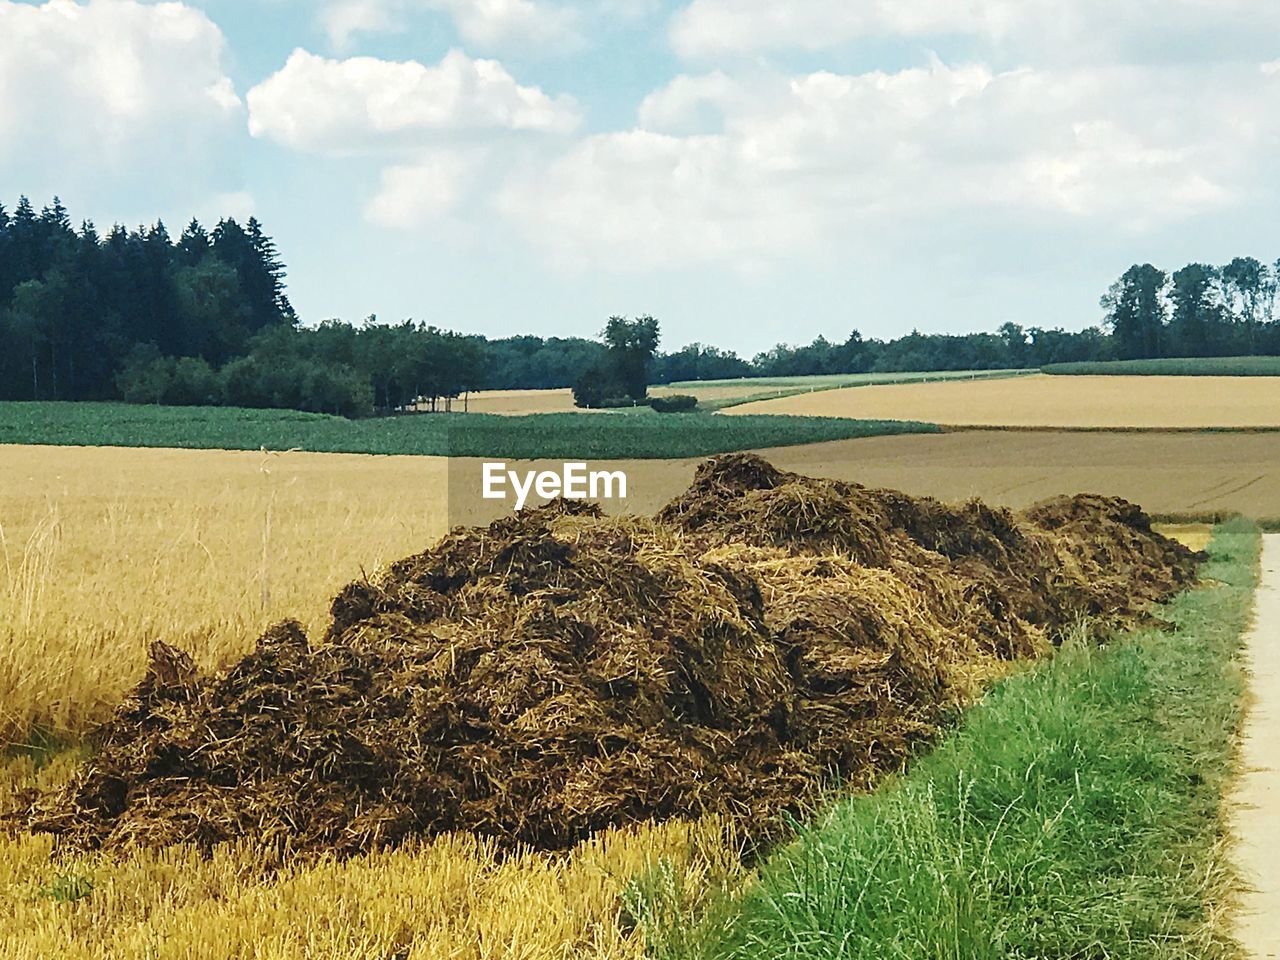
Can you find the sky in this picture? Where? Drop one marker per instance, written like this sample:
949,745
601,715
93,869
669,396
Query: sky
748,171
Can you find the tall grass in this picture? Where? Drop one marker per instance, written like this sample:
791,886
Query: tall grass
1078,813
102,551
453,898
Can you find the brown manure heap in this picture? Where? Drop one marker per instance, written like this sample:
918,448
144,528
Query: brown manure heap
768,635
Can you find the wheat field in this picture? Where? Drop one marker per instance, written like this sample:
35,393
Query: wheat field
1095,402
103,550
451,898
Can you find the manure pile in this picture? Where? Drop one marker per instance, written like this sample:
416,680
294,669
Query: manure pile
558,672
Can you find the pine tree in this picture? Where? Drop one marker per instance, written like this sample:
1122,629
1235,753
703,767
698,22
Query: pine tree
194,245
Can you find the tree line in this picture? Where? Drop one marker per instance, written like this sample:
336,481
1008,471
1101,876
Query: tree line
1200,310
137,315
74,305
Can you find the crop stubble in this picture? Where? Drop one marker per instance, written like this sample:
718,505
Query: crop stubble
1051,401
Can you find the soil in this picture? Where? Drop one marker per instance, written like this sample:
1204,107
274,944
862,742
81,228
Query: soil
765,638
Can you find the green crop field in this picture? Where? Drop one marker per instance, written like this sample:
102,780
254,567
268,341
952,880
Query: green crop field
554,435
1174,367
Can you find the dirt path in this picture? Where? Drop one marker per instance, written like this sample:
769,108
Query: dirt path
1258,795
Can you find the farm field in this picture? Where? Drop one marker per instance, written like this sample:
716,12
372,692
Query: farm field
106,549
221,543
423,434
1080,402
717,394
1170,474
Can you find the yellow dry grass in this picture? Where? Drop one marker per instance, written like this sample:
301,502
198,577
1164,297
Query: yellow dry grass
1051,401
103,550
106,549
1195,536
452,898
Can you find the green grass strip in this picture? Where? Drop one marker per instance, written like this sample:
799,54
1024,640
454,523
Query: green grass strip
551,435
1174,367
1078,812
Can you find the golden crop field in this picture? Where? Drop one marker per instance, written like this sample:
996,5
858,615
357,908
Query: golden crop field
516,402
1051,401
451,898
106,549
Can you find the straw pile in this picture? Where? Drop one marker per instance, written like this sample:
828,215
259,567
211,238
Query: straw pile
559,672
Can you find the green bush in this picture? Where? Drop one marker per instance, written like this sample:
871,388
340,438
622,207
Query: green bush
599,387
192,383
145,376
676,403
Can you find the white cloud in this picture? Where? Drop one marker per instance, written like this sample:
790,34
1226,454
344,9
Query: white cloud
690,104
489,24
786,169
425,190
496,23
640,199
1057,30
344,19
365,104
106,83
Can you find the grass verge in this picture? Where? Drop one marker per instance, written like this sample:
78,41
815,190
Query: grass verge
1174,367
551,435
1077,813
